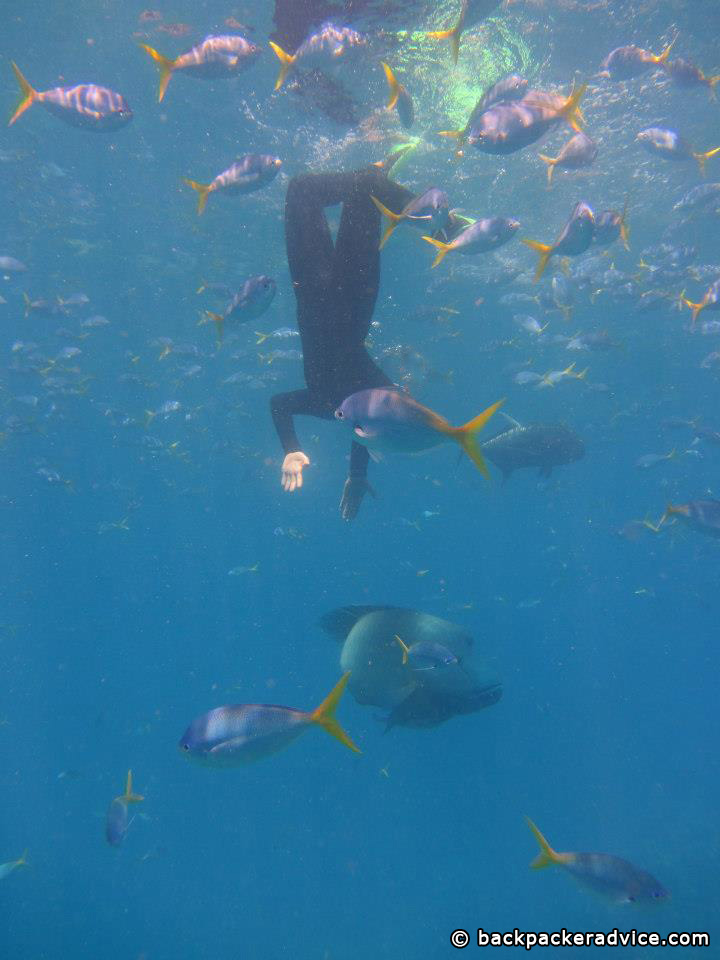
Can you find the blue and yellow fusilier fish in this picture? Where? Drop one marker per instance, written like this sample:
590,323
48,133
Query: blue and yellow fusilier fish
686,74
625,63
471,12
710,301
236,735
671,146
431,211
611,877
575,238
216,58
482,236
426,655
249,303
507,127
321,50
116,821
11,866
579,151
85,105
399,98
609,225
506,90
247,174
390,421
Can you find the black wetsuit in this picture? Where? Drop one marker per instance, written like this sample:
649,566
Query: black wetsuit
336,288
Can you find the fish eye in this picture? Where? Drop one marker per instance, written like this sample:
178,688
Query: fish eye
631,899
185,746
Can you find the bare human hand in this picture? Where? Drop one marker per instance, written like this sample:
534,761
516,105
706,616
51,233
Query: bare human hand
292,469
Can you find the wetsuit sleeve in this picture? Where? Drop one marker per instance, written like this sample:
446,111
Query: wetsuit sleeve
285,406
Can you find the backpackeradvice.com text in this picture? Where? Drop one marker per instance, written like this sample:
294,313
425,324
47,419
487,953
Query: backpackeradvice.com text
569,938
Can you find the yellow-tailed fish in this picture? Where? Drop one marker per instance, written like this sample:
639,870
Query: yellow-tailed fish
116,821
389,421
241,734
215,58
86,105
611,877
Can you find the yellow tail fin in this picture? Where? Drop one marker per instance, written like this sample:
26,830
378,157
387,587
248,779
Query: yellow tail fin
455,134
29,96
550,161
203,189
712,82
165,66
393,86
547,856
286,61
545,251
662,57
261,337
696,308
404,647
702,157
394,218
129,796
442,248
22,861
466,436
453,36
571,109
624,229
324,715
219,322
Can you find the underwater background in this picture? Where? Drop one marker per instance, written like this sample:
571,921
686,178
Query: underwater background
131,526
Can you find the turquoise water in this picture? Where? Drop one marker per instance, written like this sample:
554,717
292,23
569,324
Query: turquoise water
121,518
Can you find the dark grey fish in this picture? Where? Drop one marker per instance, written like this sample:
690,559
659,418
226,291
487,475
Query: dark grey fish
541,445
426,707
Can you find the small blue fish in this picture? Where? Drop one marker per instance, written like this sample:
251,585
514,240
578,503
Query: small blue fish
670,145
85,105
609,225
509,88
7,868
321,50
237,735
116,821
710,301
386,420
247,174
426,655
579,151
251,302
430,210
611,877
575,238
508,127
686,74
625,63
214,59
399,98
480,237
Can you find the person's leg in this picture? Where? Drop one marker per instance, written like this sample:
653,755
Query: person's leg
356,266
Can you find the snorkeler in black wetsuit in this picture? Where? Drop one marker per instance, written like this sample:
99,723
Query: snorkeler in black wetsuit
336,289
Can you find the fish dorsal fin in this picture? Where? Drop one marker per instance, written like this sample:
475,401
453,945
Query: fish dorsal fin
511,420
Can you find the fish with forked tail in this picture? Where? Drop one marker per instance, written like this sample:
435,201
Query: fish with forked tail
540,446
387,420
